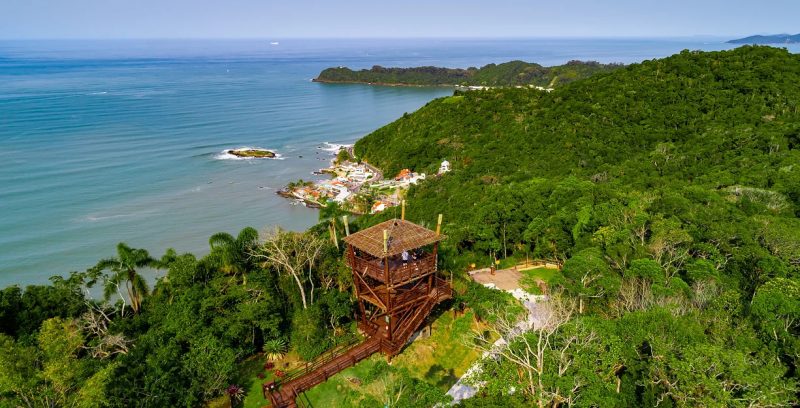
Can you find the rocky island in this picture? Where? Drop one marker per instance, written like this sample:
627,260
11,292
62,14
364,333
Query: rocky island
251,153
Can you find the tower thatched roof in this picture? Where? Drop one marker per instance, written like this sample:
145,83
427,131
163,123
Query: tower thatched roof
403,236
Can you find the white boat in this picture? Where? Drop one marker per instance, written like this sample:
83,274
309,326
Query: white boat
274,43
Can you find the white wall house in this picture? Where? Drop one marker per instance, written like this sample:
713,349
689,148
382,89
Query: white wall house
444,167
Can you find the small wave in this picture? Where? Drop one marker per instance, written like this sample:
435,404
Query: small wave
98,93
333,147
95,218
226,155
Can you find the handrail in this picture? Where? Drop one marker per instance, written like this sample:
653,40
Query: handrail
291,388
320,360
398,272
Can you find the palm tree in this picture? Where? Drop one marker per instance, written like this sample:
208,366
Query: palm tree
329,213
275,349
232,254
123,272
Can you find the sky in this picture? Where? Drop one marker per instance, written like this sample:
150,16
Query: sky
117,19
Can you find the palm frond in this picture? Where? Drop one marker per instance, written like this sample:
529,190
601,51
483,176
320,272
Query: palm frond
221,239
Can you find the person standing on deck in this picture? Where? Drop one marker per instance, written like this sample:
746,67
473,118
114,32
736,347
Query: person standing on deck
404,255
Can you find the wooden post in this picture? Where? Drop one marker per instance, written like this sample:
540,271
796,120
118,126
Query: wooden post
333,233
352,255
385,242
439,225
346,226
403,210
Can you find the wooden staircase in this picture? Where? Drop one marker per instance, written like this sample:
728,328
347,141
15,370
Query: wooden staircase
284,394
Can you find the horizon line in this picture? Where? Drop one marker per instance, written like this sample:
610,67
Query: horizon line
290,38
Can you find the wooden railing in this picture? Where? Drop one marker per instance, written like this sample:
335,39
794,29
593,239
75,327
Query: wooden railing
398,271
322,369
410,326
443,290
371,268
319,361
412,269
410,295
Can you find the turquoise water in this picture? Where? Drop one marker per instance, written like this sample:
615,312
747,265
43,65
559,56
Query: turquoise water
111,141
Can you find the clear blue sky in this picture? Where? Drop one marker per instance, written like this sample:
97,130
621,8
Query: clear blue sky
406,18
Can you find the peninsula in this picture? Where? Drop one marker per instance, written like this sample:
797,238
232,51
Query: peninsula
768,39
355,186
513,73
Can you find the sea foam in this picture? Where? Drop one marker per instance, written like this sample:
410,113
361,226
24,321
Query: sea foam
333,147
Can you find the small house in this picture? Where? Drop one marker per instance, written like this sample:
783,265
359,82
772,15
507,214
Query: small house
444,167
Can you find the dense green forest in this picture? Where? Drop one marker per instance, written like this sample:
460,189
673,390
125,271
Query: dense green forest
670,189
513,73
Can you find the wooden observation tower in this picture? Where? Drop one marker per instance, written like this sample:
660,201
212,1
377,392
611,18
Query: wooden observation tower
394,277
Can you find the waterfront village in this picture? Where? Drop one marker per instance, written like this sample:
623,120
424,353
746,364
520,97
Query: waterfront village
356,186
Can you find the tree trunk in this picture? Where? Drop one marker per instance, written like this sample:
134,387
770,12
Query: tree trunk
311,280
333,234
300,285
505,252
132,295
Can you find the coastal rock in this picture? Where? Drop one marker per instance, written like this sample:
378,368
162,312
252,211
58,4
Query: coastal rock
252,153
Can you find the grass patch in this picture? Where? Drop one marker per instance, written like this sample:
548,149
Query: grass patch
443,357
531,277
453,99
248,379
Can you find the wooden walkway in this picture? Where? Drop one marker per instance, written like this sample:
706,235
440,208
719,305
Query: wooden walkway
288,392
285,393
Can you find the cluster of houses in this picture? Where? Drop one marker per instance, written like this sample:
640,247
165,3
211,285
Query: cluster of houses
484,87
351,179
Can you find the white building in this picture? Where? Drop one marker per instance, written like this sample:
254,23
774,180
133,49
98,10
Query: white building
377,207
445,167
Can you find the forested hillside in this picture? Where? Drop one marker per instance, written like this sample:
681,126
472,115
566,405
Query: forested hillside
513,73
671,190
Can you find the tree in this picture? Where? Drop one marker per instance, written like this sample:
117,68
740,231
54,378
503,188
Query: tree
231,254
10,305
669,245
329,214
776,309
589,277
209,364
52,374
123,272
294,254
309,337
531,355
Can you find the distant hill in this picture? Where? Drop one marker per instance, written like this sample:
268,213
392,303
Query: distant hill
513,73
768,39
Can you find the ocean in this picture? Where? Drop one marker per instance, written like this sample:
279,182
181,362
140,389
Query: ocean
121,141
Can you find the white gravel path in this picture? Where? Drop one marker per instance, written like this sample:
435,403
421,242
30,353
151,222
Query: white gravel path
533,318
